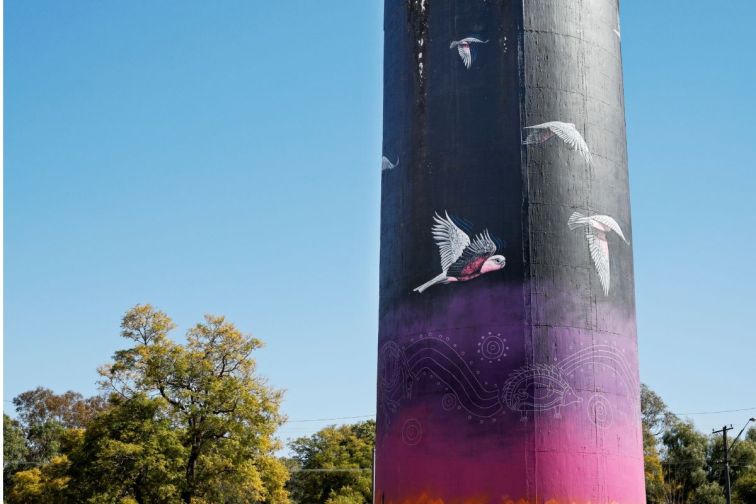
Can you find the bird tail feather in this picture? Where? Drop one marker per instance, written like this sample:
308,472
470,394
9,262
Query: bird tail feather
438,279
576,220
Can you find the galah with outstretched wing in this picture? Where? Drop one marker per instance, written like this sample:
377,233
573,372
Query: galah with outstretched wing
386,164
462,259
465,50
567,132
596,229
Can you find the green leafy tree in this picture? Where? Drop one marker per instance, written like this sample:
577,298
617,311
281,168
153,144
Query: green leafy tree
708,493
346,495
334,465
15,451
742,457
226,414
131,451
46,484
684,461
655,416
745,487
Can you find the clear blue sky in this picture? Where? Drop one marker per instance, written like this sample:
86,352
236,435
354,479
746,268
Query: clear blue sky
224,157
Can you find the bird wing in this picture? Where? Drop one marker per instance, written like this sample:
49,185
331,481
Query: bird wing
576,220
572,137
610,223
473,40
386,164
538,134
474,255
465,54
451,240
600,254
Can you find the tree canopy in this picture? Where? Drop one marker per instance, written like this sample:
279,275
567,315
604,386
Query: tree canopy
183,422
333,466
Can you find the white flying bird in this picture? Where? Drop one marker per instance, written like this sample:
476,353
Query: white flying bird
461,259
465,50
596,228
386,164
569,134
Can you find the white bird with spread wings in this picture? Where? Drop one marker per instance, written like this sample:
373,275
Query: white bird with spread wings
596,229
462,259
567,132
465,49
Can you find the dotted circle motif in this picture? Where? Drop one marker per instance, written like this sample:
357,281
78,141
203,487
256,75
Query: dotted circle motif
492,347
412,432
449,402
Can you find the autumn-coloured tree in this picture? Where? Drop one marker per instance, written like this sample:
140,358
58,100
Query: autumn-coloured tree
225,414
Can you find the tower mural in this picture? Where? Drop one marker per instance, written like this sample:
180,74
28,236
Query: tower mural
507,359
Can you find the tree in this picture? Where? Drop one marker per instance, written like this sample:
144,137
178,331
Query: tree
70,409
40,485
226,414
15,451
684,462
708,493
46,419
744,488
742,457
334,465
655,417
130,451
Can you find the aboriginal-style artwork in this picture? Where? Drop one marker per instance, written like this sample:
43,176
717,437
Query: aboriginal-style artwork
528,389
538,387
461,258
567,132
386,164
466,49
596,228
505,380
412,431
600,411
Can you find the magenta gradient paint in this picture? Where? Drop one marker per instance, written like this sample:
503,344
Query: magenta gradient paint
508,368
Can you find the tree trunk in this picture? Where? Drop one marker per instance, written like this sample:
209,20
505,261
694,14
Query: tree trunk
191,464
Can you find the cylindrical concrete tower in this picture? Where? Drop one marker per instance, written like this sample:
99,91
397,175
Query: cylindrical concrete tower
507,344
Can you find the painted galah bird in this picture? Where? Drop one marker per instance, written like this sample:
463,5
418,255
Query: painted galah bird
386,164
465,50
596,228
461,259
569,134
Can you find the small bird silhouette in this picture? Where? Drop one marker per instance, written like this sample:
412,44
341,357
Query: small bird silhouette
461,259
465,50
569,134
386,164
596,228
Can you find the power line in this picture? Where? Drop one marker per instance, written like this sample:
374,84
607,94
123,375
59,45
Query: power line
716,412
345,469
329,419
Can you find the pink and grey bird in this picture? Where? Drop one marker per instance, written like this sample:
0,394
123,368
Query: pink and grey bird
465,49
462,259
596,229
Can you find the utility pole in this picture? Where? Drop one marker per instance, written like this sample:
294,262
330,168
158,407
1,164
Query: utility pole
724,430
